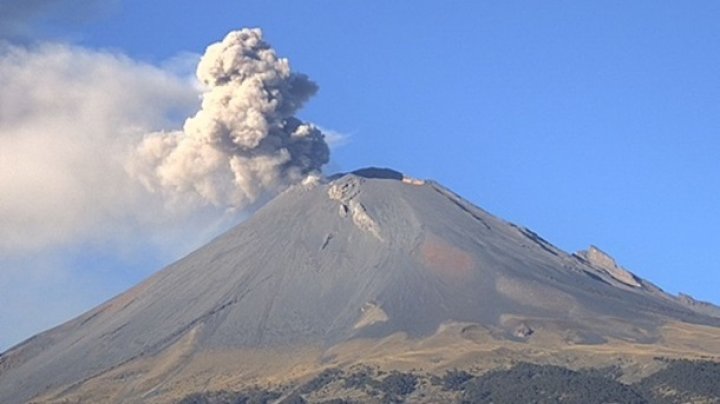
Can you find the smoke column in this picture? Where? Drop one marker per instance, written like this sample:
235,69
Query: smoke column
245,140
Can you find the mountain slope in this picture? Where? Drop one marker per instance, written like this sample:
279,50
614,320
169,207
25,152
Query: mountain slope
365,257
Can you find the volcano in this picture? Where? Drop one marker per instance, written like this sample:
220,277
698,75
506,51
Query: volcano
370,267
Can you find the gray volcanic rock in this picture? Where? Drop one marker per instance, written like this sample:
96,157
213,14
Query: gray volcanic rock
362,256
698,305
601,260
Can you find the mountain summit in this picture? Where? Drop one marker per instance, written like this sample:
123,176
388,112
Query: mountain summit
367,267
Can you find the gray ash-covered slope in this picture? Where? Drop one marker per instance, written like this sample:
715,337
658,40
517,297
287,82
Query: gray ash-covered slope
364,255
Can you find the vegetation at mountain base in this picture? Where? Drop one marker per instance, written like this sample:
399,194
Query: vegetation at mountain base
679,381
325,377
454,379
253,396
546,384
683,381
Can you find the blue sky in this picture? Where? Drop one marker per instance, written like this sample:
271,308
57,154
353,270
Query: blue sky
588,122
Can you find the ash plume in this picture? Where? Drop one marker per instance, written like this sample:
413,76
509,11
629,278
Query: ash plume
245,140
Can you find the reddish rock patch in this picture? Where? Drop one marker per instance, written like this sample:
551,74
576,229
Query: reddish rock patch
447,260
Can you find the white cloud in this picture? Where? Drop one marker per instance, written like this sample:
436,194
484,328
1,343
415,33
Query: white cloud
75,228
69,117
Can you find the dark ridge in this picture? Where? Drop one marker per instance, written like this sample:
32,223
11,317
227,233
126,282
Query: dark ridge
453,198
698,305
372,172
595,277
535,238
